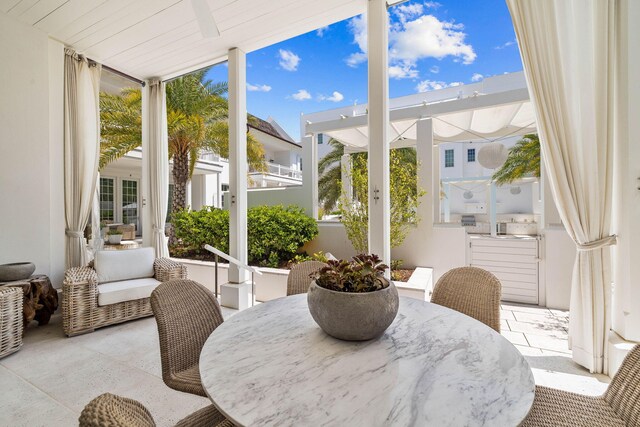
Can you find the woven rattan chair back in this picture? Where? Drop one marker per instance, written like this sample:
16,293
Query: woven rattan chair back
623,394
298,281
186,313
471,291
109,410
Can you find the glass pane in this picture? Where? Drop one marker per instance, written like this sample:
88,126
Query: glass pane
107,199
130,202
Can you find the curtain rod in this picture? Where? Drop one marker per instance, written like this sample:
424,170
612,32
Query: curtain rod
125,75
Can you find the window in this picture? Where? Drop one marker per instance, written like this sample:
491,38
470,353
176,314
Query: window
448,158
223,188
130,202
320,139
107,200
471,155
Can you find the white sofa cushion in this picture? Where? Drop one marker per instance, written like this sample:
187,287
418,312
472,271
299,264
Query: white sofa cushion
114,266
126,290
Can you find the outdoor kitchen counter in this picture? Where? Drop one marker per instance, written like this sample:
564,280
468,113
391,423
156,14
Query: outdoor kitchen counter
271,365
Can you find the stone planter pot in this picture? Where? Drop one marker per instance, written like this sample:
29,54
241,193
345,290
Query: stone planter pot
16,271
353,316
115,239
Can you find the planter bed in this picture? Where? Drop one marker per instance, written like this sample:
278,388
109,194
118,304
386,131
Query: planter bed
273,282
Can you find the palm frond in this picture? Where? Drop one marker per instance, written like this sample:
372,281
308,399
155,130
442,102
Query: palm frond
523,161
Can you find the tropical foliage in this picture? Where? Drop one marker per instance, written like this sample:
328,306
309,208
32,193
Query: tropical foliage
330,177
364,273
523,161
405,198
274,233
197,122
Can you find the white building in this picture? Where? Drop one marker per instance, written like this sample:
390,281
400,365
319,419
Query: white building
120,181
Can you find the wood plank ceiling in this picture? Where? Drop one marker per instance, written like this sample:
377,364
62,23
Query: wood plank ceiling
161,38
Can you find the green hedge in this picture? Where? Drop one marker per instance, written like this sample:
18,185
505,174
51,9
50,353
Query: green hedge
275,233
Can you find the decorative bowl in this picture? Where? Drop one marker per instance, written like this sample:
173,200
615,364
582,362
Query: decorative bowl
16,271
353,316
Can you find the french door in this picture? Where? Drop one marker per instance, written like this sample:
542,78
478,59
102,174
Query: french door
119,201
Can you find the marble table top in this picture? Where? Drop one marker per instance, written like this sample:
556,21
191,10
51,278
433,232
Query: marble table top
271,365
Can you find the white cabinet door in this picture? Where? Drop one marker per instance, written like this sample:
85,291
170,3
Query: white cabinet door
513,261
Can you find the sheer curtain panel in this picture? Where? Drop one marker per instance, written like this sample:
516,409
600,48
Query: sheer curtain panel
81,150
568,50
158,161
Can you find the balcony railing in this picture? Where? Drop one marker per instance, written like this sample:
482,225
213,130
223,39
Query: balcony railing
279,170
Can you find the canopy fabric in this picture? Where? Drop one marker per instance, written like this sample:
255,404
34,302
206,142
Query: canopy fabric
470,125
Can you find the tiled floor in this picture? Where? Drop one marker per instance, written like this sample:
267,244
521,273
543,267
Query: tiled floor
48,382
541,334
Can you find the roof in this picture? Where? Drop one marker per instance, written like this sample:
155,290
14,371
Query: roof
269,129
162,38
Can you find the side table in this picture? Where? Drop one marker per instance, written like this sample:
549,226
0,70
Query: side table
11,326
40,299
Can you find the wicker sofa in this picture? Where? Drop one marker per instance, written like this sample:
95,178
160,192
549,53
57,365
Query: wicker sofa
116,288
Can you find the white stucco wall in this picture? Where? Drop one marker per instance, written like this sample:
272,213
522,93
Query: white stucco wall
31,149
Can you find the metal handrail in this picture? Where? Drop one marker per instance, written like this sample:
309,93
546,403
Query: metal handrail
240,264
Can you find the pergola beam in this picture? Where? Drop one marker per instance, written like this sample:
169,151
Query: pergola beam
426,111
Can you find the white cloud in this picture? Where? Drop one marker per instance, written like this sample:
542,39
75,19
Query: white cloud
335,97
288,60
477,77
434,70
408,11
358,27
403,71
428,37
301,95
320,31
427,85
505,45
258,88
414,37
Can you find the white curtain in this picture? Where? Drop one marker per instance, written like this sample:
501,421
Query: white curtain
158,161
568,49
81,150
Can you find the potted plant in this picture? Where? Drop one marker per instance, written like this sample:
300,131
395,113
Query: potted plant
115,236
352,300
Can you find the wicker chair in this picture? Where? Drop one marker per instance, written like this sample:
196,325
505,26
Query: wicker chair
471,291
298,281
186,313
619,406
109,410
80,310
11,324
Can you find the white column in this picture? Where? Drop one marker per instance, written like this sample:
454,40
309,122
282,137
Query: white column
437,216
345,168
218,202
237,162
379,203
310,173
188,194
426,179
625,305
145,213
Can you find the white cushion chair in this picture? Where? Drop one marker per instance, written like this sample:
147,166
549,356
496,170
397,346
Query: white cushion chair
116,288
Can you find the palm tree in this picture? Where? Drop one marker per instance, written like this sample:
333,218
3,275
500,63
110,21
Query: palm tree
197,122
330,180
523,160
330,172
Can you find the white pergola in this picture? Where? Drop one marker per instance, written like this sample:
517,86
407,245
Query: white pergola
477,117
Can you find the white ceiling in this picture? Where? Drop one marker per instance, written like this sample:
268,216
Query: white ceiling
161,38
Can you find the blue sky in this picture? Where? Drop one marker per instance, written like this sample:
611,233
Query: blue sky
432,45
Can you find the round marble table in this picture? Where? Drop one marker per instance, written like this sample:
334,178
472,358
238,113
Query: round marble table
271,365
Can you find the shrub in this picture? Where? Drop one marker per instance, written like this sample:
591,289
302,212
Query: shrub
275,233
206,226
